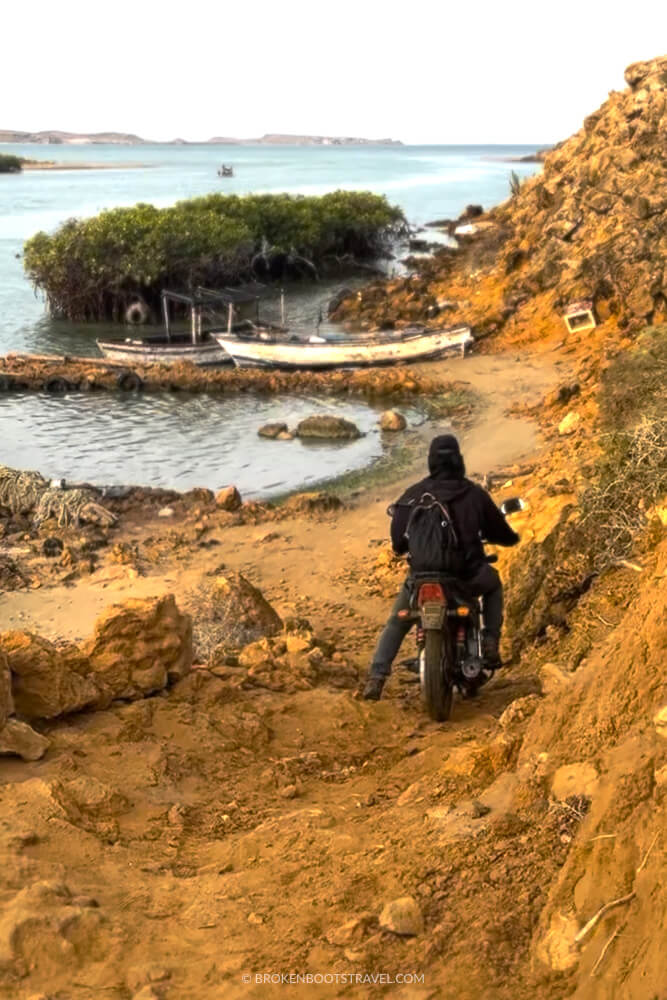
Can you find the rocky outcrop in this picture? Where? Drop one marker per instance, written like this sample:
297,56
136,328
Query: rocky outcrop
402,916
592,224
312,503
589,227
137,648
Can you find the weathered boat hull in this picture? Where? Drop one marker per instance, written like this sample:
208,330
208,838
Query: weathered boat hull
207,353
407,348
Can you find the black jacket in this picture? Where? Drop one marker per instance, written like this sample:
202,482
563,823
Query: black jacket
473,512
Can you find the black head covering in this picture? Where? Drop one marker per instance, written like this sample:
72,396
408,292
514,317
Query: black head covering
445,458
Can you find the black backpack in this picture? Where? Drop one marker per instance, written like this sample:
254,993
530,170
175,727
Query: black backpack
433,542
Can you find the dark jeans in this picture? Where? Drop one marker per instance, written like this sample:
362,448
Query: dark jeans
485,583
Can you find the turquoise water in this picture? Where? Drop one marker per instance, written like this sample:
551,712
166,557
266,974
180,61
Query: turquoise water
428,182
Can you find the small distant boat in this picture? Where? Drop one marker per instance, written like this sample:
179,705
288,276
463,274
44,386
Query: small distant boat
198,345
225,171
391,347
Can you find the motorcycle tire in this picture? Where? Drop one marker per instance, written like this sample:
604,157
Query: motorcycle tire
436,684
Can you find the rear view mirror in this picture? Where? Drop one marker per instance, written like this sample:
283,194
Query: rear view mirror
391,509
512,505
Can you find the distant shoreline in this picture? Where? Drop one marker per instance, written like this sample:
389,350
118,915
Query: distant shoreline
62,165
58,138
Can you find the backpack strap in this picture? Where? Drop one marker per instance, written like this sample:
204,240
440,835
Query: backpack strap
428,500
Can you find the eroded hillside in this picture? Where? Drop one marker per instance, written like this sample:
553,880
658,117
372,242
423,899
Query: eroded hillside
183,816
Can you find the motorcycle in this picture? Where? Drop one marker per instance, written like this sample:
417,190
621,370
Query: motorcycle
450,625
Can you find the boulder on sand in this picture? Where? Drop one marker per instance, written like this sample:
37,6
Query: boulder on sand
46,681
228,498
139,647
231,612
326,426
20,739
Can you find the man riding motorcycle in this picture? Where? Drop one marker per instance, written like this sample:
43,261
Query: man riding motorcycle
476,518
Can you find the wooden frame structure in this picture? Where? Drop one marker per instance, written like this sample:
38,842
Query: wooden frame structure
579,317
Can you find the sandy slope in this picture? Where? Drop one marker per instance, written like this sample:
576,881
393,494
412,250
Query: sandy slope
224,833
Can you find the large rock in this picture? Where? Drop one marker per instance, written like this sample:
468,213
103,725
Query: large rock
89,797
46,681
139,647
240,611
21,740
651,74
328,427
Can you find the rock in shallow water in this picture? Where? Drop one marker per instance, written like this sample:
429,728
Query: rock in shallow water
272,430
392,420
327,427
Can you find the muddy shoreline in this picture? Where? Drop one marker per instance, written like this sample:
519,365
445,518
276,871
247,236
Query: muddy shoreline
180,524
32,373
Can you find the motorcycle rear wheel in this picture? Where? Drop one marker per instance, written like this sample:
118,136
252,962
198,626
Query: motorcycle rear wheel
435,676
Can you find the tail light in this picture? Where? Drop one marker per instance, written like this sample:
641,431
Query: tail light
431,592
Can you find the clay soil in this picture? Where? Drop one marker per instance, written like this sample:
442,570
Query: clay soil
225,837
235,833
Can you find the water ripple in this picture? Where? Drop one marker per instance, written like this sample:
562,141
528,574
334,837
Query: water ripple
179,441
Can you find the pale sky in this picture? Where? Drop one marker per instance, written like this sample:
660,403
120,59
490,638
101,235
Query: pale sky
442,72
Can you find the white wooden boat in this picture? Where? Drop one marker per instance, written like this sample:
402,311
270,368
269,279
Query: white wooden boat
198,345
158,350
390,347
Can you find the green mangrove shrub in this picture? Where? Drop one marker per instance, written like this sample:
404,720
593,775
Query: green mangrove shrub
90,269
10,164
